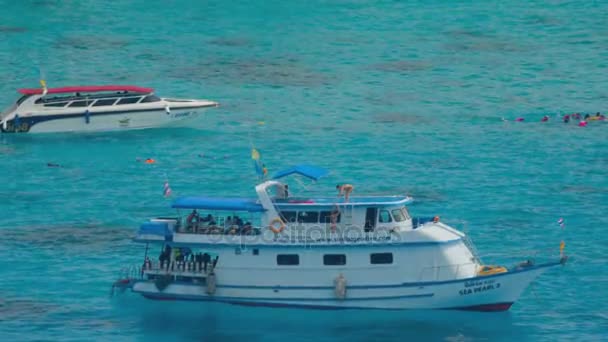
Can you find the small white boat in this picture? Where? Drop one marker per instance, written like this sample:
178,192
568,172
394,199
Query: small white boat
366,252
95,108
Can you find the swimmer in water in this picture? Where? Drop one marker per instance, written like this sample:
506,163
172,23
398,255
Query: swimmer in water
519,119
52,165
566,118
544,119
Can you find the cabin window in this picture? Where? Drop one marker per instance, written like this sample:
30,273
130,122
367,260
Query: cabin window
288,259
104,102
308,216
326,217
55,104
128,100
54,99
381,258
84,103
406,214
384,217
334,259
150,98
289,216
398,215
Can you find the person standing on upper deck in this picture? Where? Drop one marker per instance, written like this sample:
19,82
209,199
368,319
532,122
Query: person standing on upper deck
345,189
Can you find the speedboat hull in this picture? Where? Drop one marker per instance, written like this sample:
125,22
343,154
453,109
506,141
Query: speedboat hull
96,108
109,121
486,293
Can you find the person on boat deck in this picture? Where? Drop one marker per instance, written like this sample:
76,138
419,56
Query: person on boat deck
192,219
345,189
207,218
179,256
234,225
162,257
228,222
282,191
147,263
246,228
165,255
206,259
198,260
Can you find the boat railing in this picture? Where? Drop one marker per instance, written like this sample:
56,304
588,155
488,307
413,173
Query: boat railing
339,199
469,243
446,272
529,256
131,272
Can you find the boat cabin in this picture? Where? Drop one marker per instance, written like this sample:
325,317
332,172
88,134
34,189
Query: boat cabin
293,216
87,96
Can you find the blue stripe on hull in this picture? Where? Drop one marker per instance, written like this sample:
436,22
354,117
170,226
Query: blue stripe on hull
492,307
189,297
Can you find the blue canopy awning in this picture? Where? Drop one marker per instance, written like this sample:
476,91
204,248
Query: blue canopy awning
218,203
310,171
155,228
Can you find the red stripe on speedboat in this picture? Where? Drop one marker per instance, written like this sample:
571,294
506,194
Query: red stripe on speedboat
86,89
486,307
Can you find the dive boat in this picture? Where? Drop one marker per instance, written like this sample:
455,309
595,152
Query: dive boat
358,252
95,108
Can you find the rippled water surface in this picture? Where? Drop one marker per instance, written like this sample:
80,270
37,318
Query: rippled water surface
393,96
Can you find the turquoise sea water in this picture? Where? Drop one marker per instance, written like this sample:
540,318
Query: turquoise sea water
392,96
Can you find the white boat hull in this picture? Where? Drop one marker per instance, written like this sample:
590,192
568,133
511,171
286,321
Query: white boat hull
488,293
112,121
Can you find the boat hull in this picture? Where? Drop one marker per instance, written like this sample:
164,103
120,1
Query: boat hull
488,293
101,122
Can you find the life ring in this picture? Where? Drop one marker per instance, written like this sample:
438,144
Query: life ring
274,228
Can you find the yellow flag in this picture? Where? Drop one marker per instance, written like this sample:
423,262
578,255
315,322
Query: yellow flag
255,155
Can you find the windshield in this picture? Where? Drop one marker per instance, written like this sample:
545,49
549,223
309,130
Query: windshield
14,106
398,215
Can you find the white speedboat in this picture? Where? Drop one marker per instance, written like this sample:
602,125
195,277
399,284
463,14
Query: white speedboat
95,108
319,252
